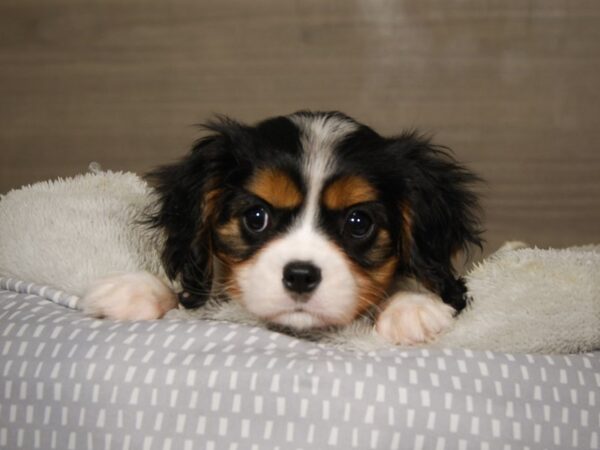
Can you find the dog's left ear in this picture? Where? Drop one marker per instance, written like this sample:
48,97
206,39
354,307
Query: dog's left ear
188,195
440,216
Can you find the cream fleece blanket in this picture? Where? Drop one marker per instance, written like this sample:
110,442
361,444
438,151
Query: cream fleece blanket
67,233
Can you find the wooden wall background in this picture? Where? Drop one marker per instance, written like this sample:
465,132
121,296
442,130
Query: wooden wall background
512,86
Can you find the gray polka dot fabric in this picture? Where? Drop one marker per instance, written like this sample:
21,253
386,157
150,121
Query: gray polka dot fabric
71,382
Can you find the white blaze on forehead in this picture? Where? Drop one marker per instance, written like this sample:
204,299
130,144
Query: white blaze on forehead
335,300
320,135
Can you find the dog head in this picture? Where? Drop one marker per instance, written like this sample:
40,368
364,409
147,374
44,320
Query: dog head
312,216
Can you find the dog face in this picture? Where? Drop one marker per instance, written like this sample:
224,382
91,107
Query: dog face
311,217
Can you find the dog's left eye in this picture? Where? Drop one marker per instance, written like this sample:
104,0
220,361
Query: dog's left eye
359,224
256,219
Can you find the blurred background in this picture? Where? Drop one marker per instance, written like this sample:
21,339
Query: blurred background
511,86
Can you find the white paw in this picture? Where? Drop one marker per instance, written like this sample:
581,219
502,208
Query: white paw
412,318
128,296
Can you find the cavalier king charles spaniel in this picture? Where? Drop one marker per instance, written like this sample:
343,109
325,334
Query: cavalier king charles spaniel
308,220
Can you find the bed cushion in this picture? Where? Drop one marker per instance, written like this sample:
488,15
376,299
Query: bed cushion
70,382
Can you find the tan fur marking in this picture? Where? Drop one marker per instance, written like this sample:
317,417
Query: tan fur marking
348,191
373,284
228,280
381,247
209,204
383,275
230,229
276,188
230,234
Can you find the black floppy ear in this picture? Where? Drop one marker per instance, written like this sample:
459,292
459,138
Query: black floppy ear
188,193
440,214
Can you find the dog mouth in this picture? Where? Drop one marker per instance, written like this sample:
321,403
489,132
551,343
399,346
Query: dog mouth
306,317
299,318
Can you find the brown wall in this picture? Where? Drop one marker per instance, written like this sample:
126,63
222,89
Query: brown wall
511,86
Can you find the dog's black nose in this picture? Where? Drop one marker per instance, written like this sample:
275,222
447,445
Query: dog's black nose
301,276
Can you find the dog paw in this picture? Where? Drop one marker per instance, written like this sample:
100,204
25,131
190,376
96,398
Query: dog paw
128,296
412,318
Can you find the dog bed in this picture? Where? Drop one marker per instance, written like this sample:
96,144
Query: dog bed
68,233
70,382
199,380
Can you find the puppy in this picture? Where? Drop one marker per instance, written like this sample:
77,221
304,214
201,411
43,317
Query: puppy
308,220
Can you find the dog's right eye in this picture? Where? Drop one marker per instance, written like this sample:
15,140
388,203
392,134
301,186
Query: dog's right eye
256,219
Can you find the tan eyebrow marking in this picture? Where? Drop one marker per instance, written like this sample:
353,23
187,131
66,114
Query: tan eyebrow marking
348,191
276,187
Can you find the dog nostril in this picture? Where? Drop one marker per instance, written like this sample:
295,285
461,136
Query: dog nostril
301,276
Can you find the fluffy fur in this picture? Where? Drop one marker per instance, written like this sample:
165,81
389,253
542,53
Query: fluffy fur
71,233
68,233
353,212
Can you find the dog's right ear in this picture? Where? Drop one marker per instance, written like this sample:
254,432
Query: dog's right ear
188,196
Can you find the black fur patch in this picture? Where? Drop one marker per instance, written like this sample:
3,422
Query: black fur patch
427,207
